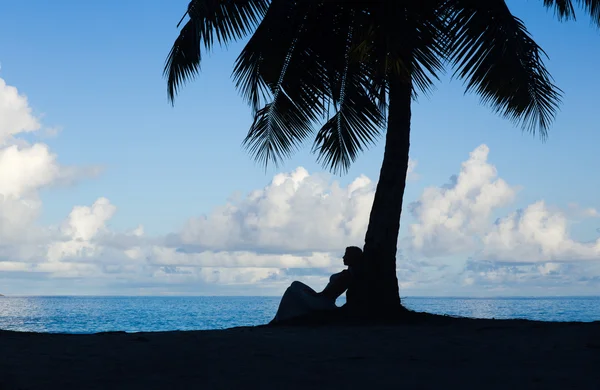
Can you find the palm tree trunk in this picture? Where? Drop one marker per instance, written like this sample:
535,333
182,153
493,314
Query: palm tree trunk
382,294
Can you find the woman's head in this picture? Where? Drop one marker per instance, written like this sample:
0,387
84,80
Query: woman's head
353,255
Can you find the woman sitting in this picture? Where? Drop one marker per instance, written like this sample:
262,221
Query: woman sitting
299,299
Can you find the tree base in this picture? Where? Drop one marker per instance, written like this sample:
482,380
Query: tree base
344,317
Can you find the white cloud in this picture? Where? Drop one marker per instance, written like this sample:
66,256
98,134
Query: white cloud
162,256
456,219
526,250
83,247
295,227
297,212
83,224
15,113
536,234
448,217
24,170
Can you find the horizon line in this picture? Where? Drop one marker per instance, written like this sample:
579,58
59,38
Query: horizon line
277,296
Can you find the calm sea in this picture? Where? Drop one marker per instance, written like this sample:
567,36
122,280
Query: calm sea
137,314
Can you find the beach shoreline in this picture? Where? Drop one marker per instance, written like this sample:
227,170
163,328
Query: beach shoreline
453,352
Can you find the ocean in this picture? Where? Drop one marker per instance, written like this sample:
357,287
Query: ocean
150,314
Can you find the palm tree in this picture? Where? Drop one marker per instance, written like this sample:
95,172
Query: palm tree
347,70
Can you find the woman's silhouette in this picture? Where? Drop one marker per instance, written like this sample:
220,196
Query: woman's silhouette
299,299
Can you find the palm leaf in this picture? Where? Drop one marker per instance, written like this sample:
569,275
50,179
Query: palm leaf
565,10
357,120
418,41
499,60
278,63
592,7
355,125
403,39
183,61
307,71
259,66
210,20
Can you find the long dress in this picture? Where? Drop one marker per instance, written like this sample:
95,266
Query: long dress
299,299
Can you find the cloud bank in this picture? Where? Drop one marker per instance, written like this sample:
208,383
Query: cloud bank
458,238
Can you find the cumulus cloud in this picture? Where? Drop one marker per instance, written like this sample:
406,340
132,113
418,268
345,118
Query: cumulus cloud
241,259
25,169
83,248
296,212
532,246
448,217
294,227
456,218
276,218
15,113
537,234
81,227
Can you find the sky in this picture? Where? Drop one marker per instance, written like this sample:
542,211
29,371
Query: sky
106,189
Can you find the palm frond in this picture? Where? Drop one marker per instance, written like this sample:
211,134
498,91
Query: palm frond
276,132
210,21
258,67
357,120
592,7
371,52
493,51
183,61
565,10
404,40
307,71
424,20
278,62
355,125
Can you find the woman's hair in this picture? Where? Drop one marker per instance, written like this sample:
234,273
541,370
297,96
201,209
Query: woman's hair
355,252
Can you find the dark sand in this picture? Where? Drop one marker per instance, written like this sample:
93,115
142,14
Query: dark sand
457,354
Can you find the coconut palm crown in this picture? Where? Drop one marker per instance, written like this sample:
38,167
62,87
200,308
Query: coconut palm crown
343,73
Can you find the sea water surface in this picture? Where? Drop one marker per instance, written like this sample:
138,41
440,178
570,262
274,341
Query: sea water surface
149,314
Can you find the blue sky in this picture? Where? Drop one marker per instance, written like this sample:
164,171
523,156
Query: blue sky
93,70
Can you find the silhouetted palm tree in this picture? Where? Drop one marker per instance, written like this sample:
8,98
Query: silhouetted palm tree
346,70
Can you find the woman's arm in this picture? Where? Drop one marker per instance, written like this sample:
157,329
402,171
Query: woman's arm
338,283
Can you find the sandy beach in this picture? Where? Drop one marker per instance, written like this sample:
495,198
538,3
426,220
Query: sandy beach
467,354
